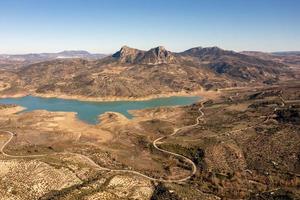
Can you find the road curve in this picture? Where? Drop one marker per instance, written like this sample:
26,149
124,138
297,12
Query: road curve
193,171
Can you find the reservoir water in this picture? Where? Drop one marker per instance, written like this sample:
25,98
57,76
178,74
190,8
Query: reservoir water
89,111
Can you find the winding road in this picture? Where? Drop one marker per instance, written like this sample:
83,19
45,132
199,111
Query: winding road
155,142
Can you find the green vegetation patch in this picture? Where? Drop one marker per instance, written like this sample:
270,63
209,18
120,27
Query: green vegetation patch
195,153
161,192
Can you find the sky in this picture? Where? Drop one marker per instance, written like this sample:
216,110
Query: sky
103,26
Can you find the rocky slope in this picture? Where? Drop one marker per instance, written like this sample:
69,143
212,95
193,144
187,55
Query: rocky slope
158,55
136,73
237,66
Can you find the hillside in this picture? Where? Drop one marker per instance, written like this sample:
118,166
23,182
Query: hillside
237,66
291,58
135,73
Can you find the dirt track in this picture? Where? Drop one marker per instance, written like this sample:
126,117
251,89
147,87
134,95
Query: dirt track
194,167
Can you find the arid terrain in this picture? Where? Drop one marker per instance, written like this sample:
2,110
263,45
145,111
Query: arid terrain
124,74
240,141
149,100
245,145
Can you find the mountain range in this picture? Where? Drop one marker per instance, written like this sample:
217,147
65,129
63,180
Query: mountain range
19,60
134,73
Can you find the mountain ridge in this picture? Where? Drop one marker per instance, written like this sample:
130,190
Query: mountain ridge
134,73
156,55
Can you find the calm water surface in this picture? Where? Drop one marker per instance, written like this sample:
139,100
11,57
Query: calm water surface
89,111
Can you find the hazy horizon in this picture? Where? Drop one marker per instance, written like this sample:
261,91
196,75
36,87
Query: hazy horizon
3,53
52,26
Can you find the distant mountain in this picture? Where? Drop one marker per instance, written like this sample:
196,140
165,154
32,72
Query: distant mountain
290,58
287,53
20,60
137,73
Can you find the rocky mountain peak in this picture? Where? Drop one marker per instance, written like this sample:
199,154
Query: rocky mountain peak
160,48
159,51
158,55
207,51
124,51
127,54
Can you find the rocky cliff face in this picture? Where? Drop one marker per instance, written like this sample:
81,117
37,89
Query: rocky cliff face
158,55
128,55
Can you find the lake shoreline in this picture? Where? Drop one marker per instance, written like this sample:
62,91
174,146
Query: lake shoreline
89,111
200,93
12,110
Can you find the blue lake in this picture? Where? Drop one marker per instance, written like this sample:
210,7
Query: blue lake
89,111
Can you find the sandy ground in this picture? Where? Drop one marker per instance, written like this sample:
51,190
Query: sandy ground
70,123
58,122
12,110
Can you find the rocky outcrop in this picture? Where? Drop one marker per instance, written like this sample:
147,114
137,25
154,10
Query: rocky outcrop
128,55
158,55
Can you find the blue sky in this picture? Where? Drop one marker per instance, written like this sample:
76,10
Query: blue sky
105,25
